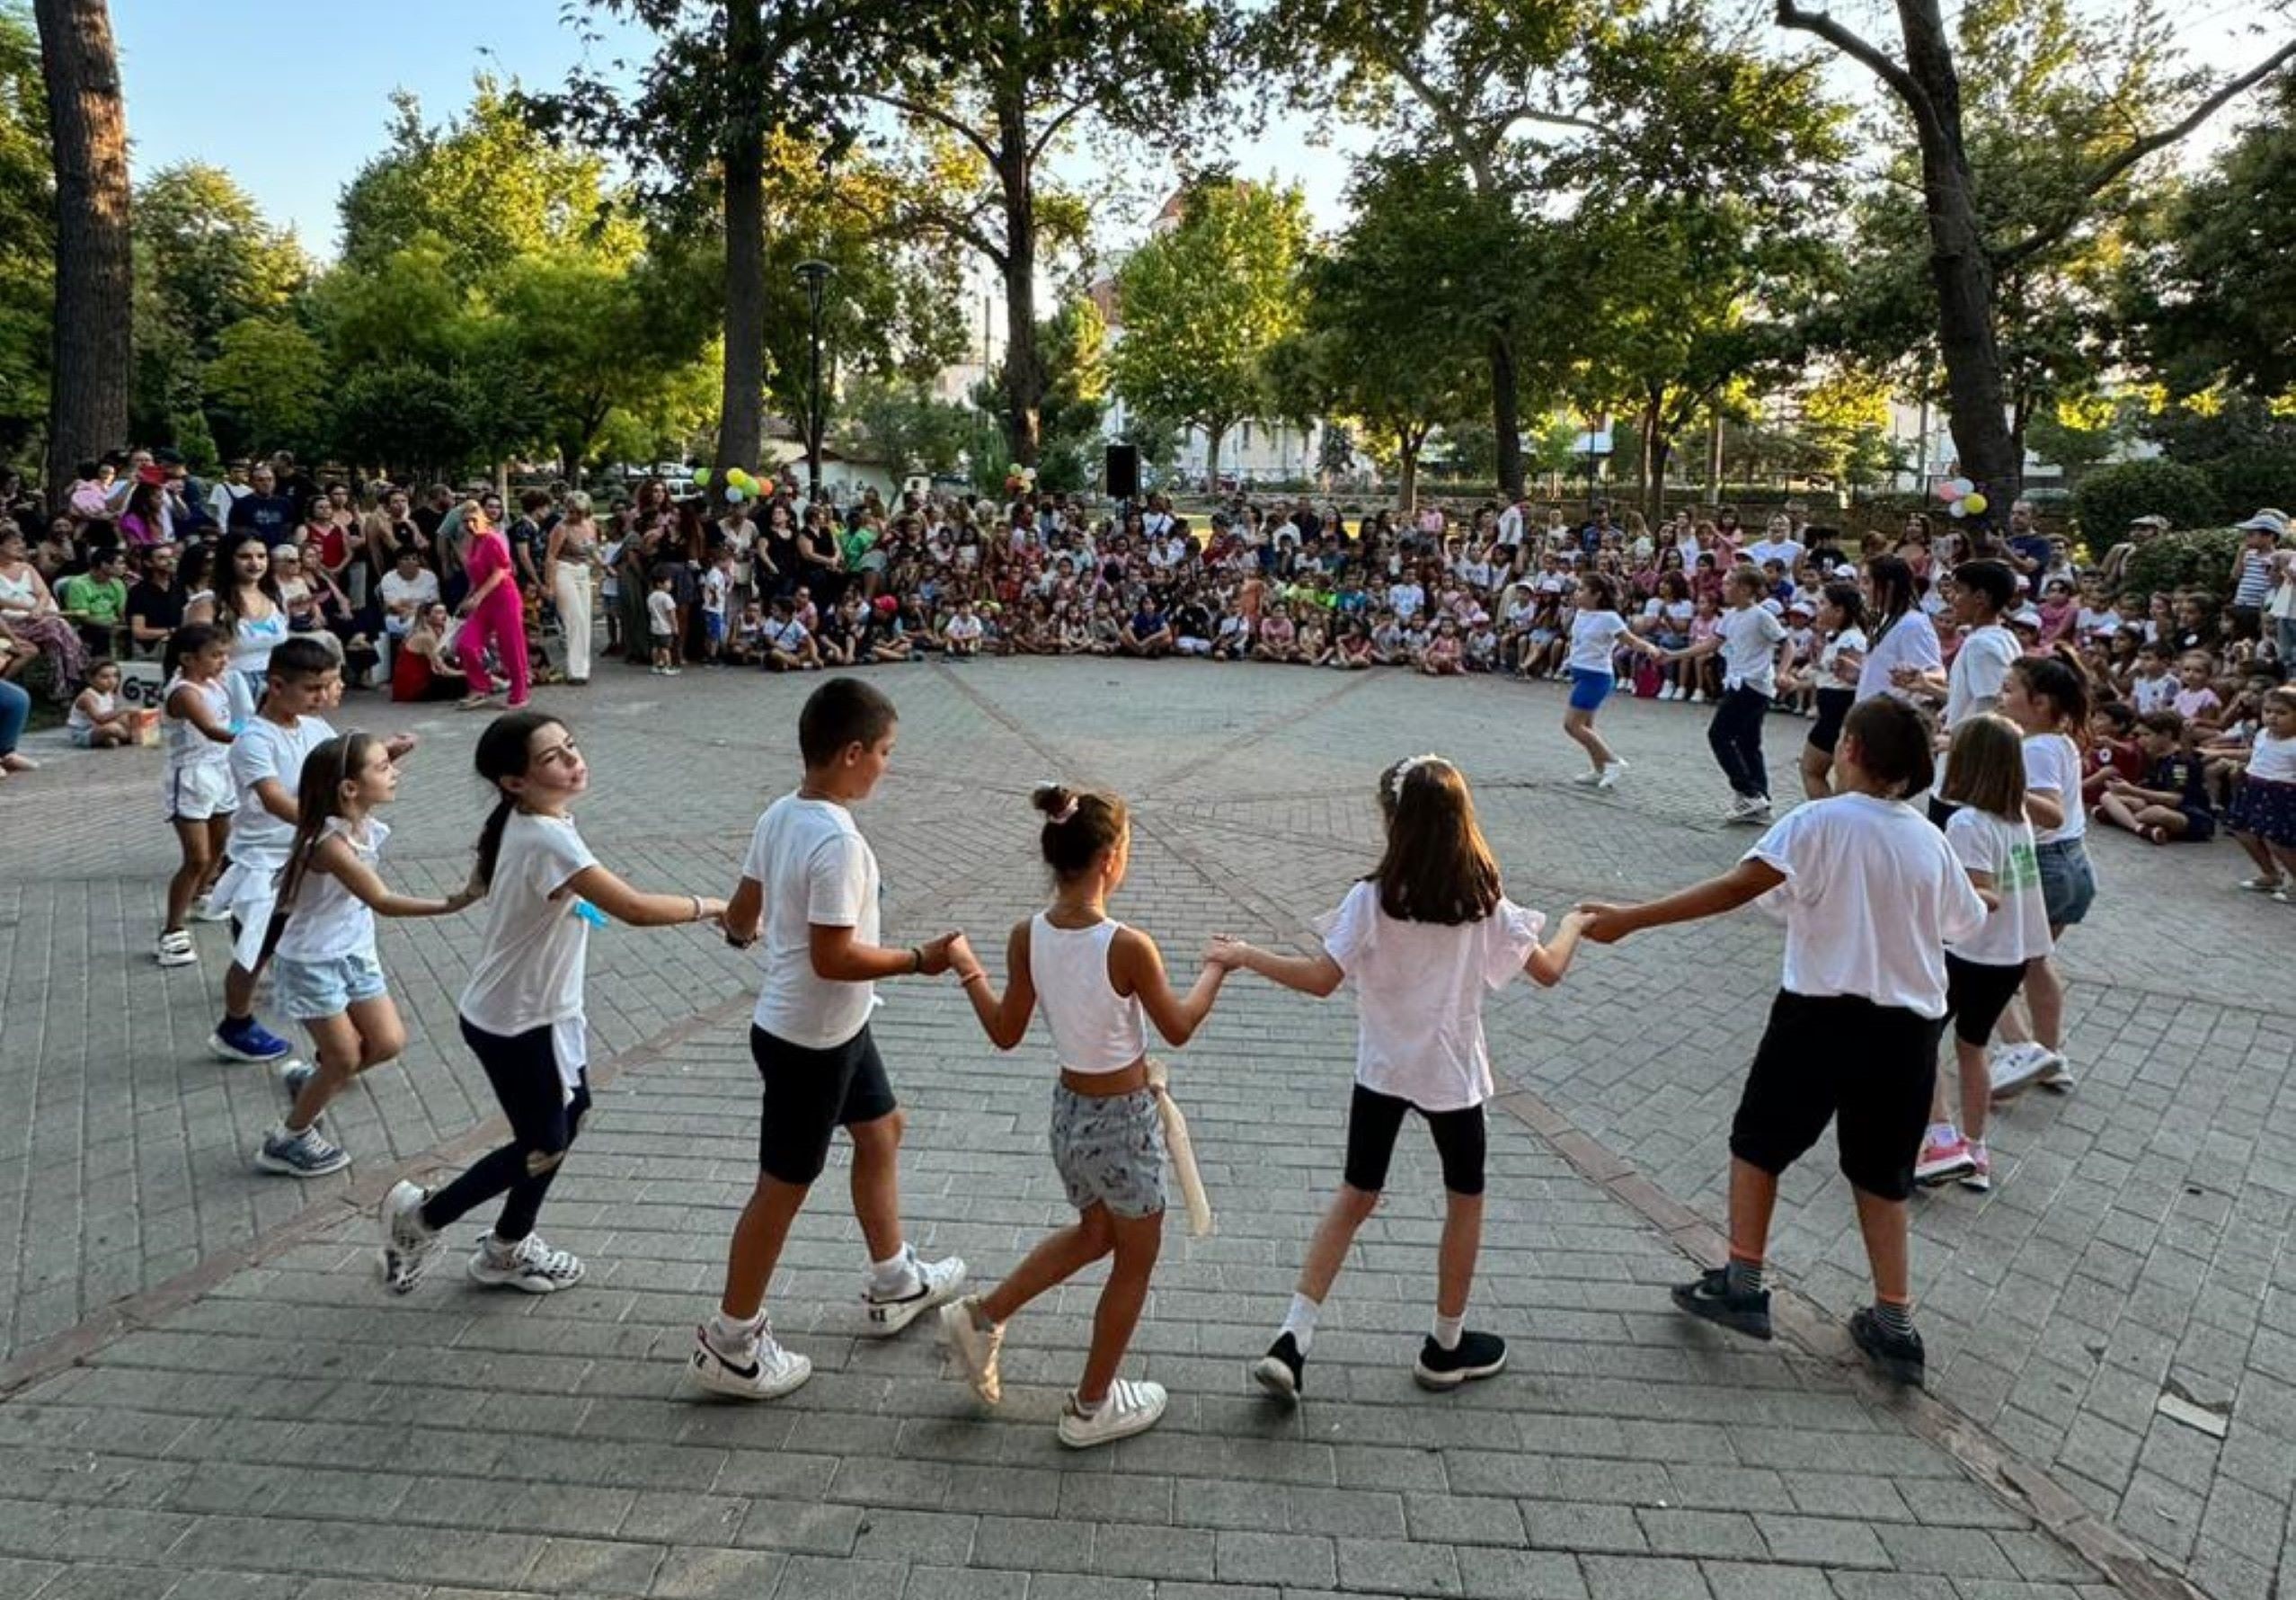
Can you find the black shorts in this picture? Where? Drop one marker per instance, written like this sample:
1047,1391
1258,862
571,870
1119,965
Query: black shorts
1867,1069
810,1095
1941,813
1976,995
1833,710
1373,1120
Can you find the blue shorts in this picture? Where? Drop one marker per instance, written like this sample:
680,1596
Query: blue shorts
1590,690
716,620
308,991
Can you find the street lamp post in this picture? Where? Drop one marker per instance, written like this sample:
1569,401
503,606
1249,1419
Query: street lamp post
815,276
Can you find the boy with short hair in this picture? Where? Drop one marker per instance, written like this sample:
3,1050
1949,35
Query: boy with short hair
810,884
661,622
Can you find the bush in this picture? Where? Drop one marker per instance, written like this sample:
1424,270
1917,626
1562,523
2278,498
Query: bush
2110,498
2259,475
2198,559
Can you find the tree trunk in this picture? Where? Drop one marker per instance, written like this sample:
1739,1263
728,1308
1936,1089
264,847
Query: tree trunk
1506,420
94,351
1959,266
1024,369
1655,448
741,407
1713,456
1214,431
1408,454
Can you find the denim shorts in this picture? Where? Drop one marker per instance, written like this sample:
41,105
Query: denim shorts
308,991
2068,881
1109,1151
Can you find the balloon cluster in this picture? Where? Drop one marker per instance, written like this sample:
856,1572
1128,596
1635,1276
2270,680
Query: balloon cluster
740,485
1019,479
1962,498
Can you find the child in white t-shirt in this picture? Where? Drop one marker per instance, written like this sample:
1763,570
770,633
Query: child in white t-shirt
1748,641
1993,841
1099,983
1421,948
661,623
810,883
196,723
1853,1033
717,586
521,1010
1598,633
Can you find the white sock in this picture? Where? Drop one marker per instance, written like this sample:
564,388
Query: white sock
728,1333
896,1275
1449,1328
1076,1403
1943,1132
1299,1322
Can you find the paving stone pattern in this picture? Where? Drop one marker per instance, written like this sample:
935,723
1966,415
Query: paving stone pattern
295,1431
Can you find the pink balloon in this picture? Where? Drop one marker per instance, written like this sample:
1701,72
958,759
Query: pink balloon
1945,491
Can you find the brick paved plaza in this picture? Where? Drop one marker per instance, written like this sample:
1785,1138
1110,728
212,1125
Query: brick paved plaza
209,1394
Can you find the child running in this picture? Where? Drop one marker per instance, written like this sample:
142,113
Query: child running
1832,679
1748,640
196,712
2048,699
1423,937
521,1012
811,879
1993,840
324,974
1095,978
1597,635
1853,1033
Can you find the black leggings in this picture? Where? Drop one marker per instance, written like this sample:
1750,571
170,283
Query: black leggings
1373,1120
1736,735
523,1068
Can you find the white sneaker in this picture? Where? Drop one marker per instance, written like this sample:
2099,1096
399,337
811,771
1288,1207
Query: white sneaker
408,1247
937,1282
530,1265
1668,693
760,1370
2057,1075
1131,1408
174,949
1697,697
1747,808
2016,1069
976,1346
205,910
1589,779
1610,779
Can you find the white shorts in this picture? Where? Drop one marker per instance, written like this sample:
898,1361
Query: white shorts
194,794
249,889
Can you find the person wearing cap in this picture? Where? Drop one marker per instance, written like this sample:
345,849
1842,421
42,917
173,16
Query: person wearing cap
2141,531
2253,572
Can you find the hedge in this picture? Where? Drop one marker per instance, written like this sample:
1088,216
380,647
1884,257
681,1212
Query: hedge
2253,477
2109,499
2198,559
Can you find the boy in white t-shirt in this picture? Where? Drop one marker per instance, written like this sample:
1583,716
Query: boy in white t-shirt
1749,640
810,883
1853,1033
1983,591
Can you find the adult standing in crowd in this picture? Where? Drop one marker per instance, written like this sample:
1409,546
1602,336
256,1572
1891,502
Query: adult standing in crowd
569,558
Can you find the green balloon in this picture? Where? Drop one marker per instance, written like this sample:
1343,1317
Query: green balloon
701,478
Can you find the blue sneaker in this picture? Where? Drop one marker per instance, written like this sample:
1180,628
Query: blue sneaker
246,1039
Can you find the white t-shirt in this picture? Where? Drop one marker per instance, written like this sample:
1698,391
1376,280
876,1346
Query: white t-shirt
2016,931
1981,667
1594,634
1405,599
1851,639
1911,641
2053,766
1750,638
327,920
716,586
2149,695
1763,551
1419,995
264,750
1842,858
529,969
816,870
422,589
2273,759
661,614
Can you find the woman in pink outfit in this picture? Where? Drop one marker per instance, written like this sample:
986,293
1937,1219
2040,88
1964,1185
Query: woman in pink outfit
495,614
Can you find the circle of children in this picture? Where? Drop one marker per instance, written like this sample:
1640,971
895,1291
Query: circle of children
1968,825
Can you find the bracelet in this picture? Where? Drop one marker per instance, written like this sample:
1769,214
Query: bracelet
978,975
916,960
698,906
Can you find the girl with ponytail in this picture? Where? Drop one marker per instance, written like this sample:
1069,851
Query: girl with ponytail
521,1012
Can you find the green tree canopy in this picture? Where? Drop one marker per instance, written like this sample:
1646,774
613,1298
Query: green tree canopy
27,234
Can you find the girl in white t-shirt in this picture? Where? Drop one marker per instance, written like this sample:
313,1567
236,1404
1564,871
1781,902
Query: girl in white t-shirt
1098,984
521,1012
195,724
1899,633
2048,700
1598,633
324,974
1853,1033
1993,841
1841,628
1422,939
2263,815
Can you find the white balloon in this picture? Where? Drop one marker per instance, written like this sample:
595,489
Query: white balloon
1957,511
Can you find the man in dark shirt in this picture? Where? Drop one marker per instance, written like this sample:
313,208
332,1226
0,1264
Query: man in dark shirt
154,601
264,512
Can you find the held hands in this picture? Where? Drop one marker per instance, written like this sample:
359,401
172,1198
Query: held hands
935,956
962,961
1227,953
1602,924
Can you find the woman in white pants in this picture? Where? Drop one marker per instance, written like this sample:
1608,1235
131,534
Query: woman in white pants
567,561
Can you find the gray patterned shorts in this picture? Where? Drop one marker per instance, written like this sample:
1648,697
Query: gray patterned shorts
1109,1151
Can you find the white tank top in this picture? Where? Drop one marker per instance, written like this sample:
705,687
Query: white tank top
187,747
327,920
1095,1029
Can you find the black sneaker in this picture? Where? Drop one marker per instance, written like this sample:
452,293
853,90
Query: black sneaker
1283,1371
1897,1355
1477,1356
1710,1297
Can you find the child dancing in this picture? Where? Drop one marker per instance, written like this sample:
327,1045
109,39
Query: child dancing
1853,1033
811,881
1095,980
1422,939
